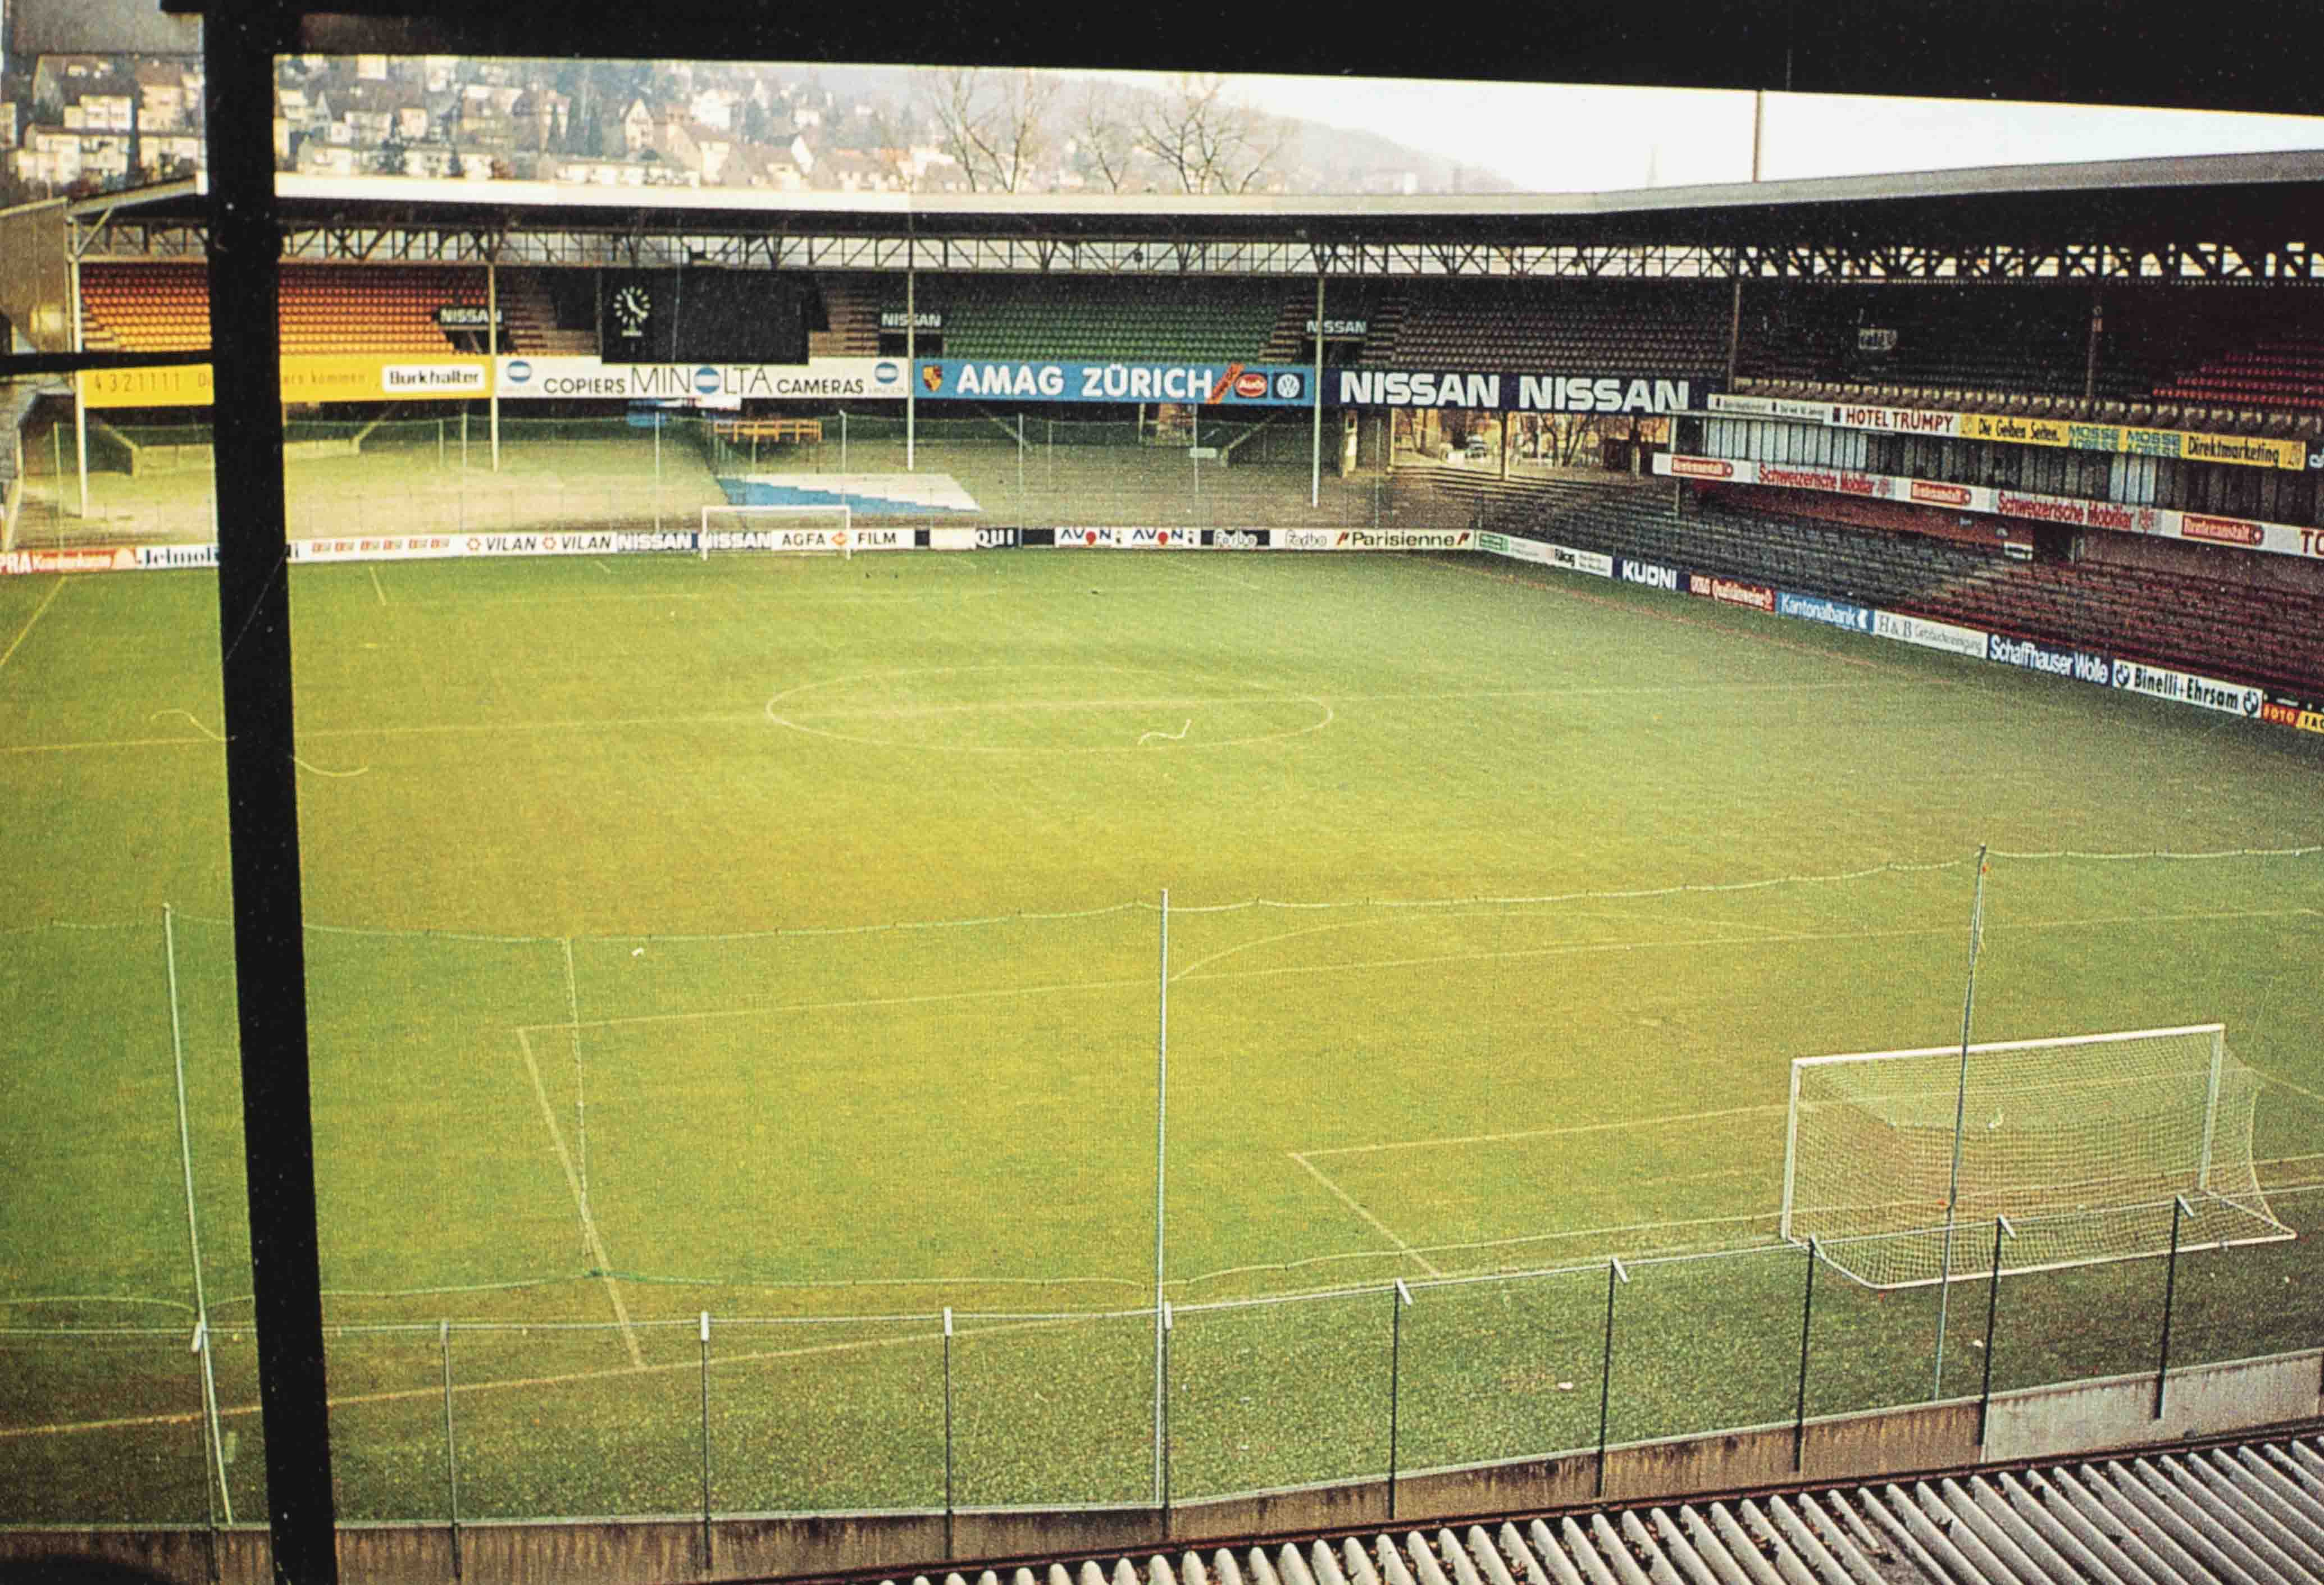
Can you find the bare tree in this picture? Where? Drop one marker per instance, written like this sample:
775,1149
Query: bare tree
1209,144
994,124
1108,143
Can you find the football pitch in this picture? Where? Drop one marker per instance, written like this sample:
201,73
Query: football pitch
783,939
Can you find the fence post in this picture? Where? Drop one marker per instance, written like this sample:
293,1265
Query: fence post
705,1441
1399,1296
1992,1309
202,1441
1807,1324
2179,1207
1614,1273
948,1411
451,1446
1167,1325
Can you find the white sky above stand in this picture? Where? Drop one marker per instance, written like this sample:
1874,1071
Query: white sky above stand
1549,138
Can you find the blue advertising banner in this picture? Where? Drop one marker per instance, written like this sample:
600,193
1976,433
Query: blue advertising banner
1227,384
1855,619
2078,664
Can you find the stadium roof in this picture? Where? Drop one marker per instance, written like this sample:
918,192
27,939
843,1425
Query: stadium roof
2221,197
2230,1514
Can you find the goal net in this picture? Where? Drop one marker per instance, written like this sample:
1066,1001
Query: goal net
791,530
2085,1144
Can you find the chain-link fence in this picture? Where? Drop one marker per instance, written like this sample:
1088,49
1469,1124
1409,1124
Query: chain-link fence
850,1217
458,1421
456,473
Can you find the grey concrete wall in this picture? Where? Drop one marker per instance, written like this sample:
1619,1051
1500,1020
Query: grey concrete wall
2089,1416
2041,1422
1315,1508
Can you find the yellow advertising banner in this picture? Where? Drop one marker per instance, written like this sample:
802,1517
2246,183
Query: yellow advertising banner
306,377
2248,450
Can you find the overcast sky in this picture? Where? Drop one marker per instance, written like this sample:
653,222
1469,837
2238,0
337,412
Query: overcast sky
1551,139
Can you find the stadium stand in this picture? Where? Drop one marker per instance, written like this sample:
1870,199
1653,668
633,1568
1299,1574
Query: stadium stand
1632,327
165,307
851,304
1103,316
2216,359
2234,1512
2237,632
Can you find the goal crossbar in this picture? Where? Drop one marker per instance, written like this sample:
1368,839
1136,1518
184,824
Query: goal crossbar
787,530
2087,1143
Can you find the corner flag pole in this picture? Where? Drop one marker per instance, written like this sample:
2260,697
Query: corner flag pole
1960,1110
193,1234
1161,1158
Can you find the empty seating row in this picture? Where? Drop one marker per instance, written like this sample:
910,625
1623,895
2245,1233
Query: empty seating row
2264,635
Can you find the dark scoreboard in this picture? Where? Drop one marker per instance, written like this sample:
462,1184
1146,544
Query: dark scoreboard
705,316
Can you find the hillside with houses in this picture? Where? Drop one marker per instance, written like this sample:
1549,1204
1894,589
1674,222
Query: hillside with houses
87,123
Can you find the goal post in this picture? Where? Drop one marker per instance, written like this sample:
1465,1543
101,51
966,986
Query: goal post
2083,1142
787,530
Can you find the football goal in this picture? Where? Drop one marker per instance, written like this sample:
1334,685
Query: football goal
2084,1145
793,530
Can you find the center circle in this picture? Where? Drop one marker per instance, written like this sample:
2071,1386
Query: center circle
1039,709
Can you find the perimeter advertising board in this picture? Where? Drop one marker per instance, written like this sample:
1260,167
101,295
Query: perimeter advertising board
566,379
2018,430
2073,511
1521,391
306,377
1214,383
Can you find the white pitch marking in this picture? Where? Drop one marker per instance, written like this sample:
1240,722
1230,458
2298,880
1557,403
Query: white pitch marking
375,586
295,759
1644,1123
1367,965
38,612
1373,1222
573,1182
1178,736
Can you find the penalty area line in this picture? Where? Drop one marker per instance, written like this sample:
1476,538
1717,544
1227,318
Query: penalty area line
1374,1223
38,612
588,1223
1643,1122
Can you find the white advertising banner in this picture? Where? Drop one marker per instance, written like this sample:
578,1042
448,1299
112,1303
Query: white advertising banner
2161,522
555,378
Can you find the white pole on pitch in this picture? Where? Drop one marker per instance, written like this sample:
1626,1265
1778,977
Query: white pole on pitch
1960,1110
1315,442
193,1233
580,1098
1161,1156
911,361
493,350
80,385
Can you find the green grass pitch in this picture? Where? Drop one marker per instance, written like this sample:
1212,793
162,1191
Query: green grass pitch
857,863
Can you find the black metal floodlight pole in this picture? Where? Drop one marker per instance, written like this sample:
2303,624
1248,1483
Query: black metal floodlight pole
2179,1208
239,40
